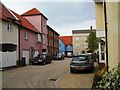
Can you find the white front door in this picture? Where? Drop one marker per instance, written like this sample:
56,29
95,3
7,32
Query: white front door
26,55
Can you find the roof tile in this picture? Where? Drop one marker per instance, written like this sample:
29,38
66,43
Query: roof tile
25,22
67,40
33,11
5,14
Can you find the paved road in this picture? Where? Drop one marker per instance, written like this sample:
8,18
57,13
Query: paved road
54,75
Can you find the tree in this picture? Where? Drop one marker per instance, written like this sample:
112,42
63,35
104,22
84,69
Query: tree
92,42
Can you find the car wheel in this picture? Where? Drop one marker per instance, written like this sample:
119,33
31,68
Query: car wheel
92,70
50,61
44,63
71,71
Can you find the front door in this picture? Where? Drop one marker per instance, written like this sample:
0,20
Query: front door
26,55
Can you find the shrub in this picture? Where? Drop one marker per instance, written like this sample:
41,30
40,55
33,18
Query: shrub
98,77
110,80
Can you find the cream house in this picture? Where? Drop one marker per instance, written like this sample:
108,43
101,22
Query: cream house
100,31
9,35
113,32
79,41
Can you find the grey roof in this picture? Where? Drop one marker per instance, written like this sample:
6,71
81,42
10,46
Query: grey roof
83,31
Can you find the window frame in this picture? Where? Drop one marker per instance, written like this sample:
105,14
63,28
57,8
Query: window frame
26,35
10,26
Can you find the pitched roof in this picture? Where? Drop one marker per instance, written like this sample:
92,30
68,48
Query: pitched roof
25,23
67,40
52,30
33,12
5,13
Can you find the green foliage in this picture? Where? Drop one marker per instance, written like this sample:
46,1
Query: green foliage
92,42
110,80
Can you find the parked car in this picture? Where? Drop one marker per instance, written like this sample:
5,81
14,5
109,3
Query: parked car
42,59
58,56
81,62
69,54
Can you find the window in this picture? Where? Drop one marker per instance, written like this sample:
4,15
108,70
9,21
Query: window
77,38
26,35
10,26
86,45
80,46
38,37
83,45
77,46
44,39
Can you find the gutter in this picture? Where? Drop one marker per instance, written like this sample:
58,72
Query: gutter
106,37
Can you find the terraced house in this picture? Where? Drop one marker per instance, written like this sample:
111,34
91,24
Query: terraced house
53,41
107,21
79,40
65,45
24,36
29,40
9,42
39,21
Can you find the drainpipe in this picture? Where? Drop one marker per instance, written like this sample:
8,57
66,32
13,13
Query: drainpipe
99,43
105,16
19,28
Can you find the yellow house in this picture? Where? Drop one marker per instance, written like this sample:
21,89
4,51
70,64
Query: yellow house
79,41
113,32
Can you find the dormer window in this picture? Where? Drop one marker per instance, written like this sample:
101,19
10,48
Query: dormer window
10,26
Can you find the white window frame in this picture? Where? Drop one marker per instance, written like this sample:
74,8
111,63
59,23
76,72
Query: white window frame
38,37
10,26
44,39
77,38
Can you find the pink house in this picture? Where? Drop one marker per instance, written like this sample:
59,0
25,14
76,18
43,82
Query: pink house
39,21
29,39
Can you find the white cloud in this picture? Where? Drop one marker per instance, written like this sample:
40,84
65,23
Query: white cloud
47,0
67,30
62,17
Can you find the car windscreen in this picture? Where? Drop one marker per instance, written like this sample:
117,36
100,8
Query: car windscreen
40,56
59,54
80,58
37,56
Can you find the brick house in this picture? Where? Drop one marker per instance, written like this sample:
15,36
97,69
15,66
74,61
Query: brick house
39,21
53,39
29,39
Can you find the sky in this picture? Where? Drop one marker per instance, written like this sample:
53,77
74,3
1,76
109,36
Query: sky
63,16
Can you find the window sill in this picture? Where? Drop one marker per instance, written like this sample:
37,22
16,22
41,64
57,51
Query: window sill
102,61
38,41
26,39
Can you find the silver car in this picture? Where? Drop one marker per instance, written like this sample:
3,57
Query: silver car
81,62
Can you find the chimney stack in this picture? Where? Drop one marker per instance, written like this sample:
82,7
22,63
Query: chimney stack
90,27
